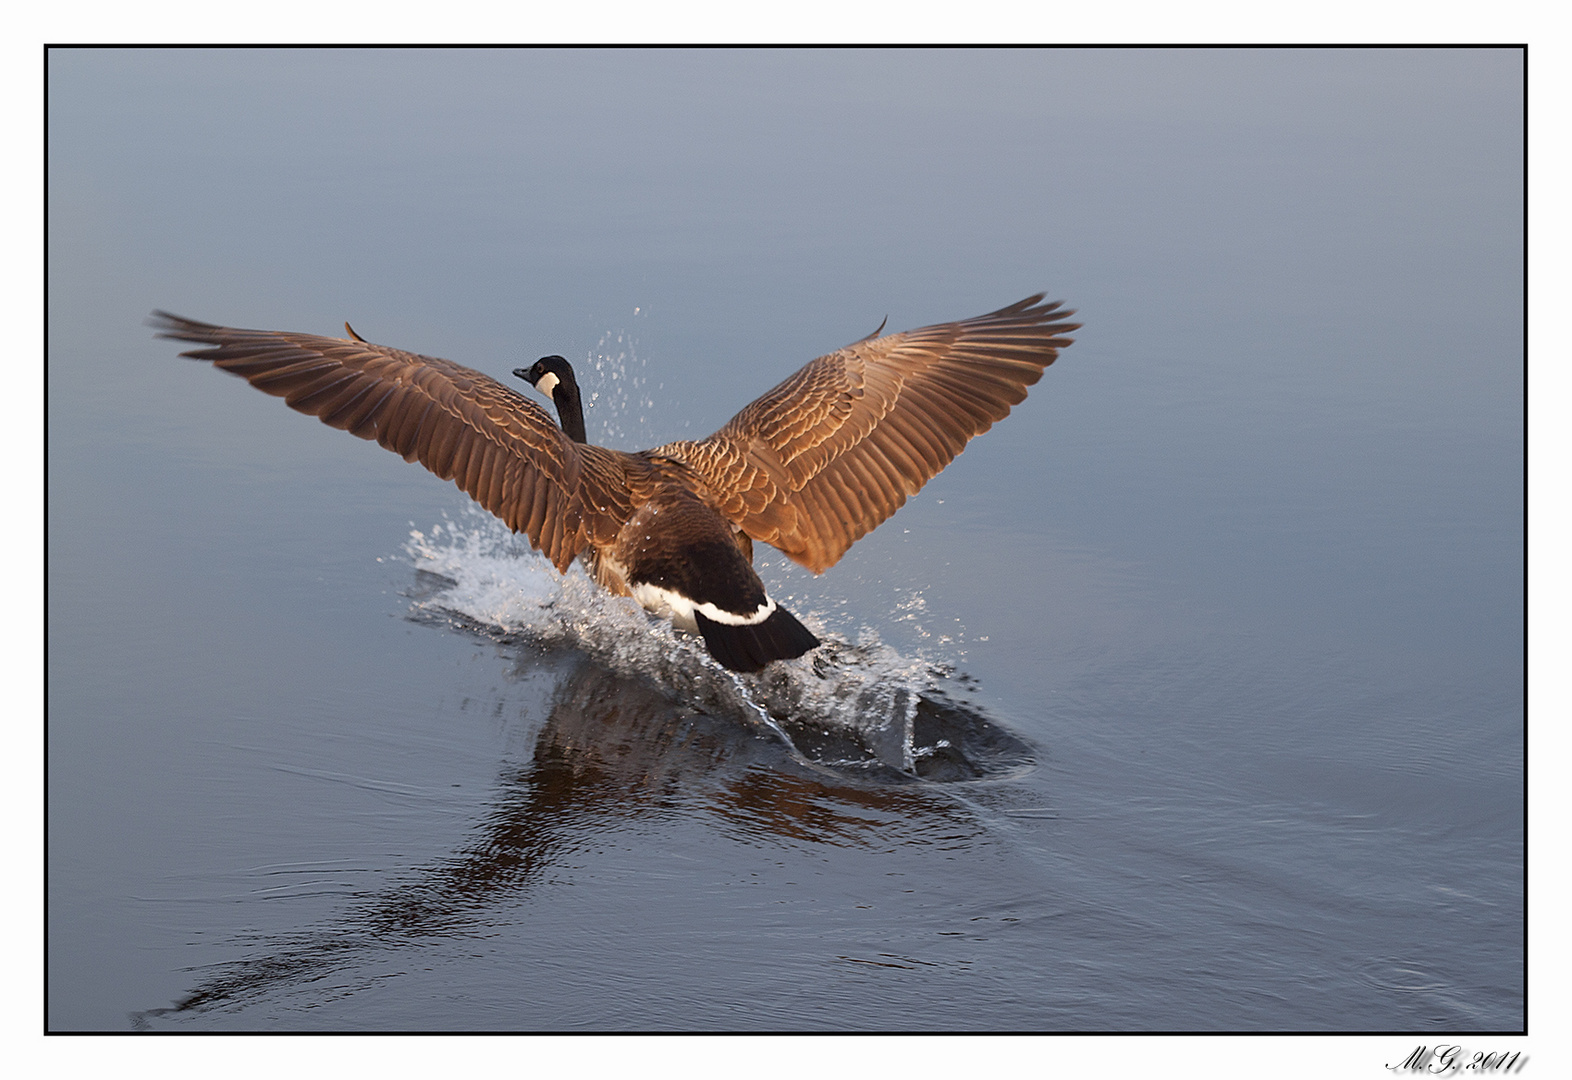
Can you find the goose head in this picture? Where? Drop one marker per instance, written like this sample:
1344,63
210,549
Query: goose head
553,376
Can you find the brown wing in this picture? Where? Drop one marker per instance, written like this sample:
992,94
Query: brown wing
819,461
500,447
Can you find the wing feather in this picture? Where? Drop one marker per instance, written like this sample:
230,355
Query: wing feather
498,446
819,461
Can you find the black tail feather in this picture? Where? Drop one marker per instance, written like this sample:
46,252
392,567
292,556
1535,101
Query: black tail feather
749,648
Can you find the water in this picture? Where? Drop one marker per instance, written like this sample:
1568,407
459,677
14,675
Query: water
1188,698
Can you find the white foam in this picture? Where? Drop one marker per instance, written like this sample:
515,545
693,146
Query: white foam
865,689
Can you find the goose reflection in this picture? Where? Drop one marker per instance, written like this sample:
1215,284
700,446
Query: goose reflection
614,749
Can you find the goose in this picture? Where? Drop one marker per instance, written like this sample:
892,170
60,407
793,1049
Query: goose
809,468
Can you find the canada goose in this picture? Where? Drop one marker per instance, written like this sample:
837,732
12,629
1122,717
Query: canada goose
809,468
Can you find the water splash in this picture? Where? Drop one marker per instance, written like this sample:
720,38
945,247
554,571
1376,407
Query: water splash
858,707
620,405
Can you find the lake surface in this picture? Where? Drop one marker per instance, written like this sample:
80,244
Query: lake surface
1191,697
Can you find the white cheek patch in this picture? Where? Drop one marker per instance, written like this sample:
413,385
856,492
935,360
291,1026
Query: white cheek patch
680,609
548,382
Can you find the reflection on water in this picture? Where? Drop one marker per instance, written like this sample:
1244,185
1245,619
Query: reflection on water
614,748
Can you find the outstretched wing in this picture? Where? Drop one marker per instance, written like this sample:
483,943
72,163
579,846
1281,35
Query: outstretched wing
819,461
500,447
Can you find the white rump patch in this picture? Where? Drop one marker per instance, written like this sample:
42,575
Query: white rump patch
715,614
679,609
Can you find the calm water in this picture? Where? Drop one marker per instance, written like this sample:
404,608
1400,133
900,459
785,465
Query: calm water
1190,697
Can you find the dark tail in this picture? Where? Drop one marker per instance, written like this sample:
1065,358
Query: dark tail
749,648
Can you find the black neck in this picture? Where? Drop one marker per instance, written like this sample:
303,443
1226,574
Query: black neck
570,411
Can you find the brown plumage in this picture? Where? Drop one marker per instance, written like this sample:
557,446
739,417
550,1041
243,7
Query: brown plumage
809,468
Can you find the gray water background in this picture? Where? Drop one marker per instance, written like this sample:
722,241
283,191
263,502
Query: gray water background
1245,570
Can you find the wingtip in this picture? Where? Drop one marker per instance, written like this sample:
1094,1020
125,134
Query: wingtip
1053,312
178,327
159,319
876,332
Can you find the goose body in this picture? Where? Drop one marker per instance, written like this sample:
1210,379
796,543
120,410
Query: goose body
809,468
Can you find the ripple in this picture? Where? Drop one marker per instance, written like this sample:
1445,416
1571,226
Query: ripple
1403,976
